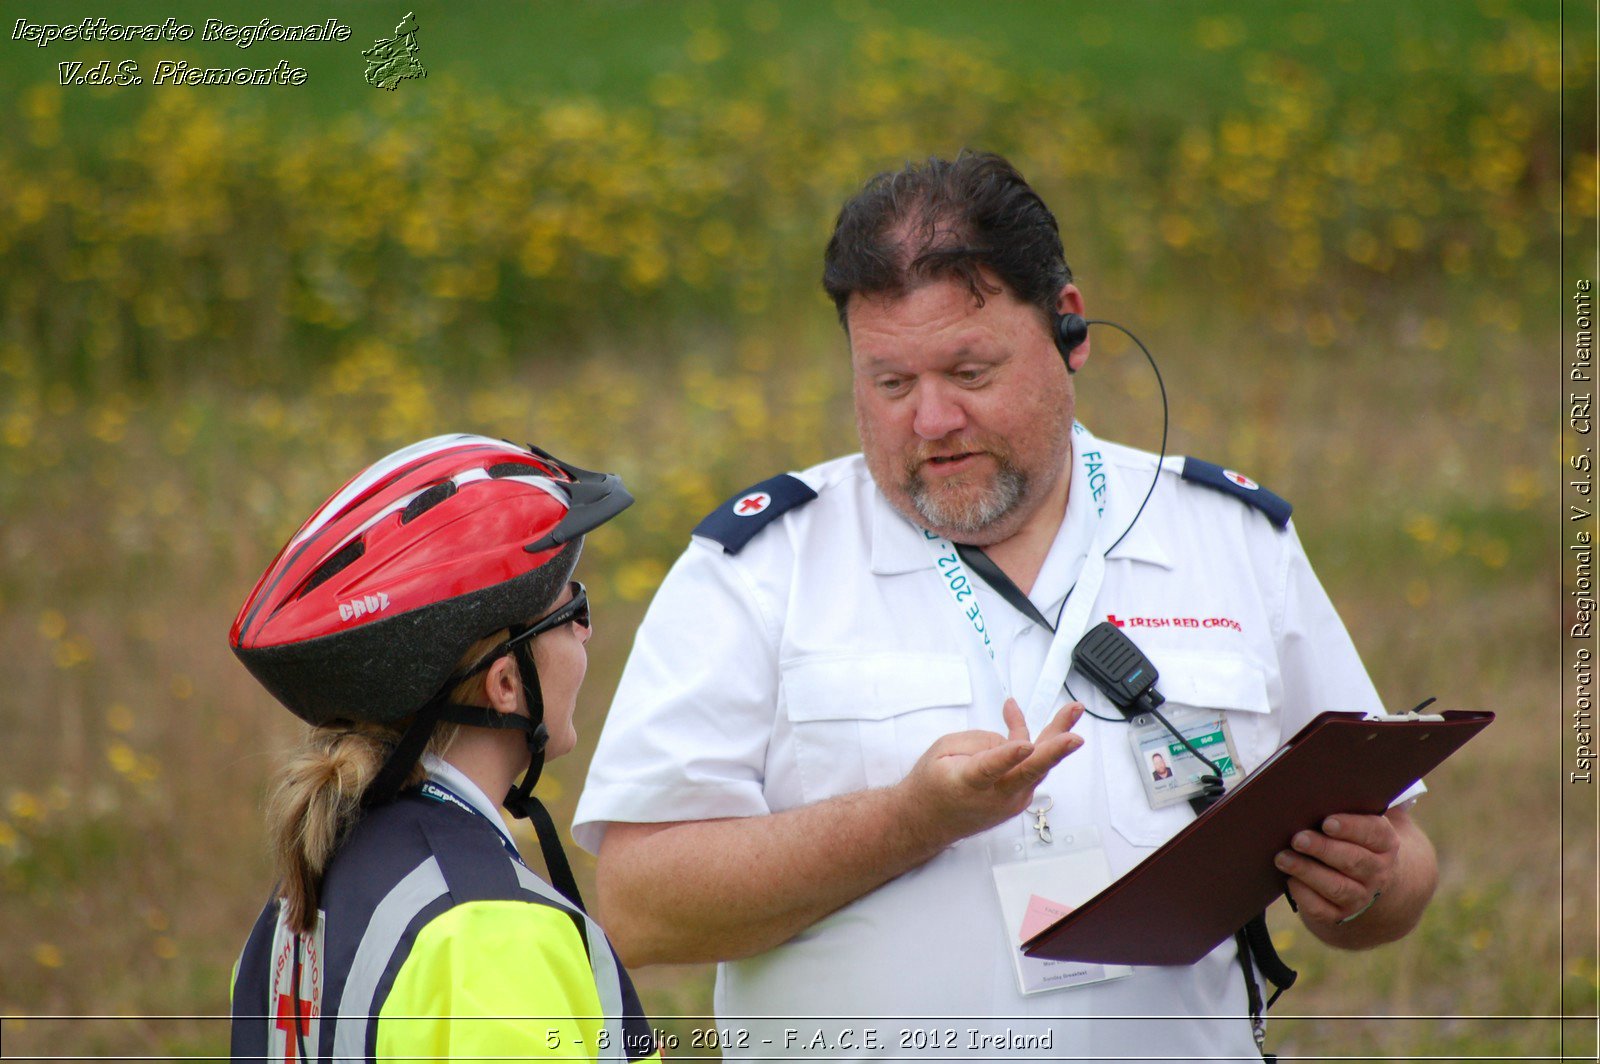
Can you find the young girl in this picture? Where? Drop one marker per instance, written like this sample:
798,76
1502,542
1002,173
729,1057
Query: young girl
425,623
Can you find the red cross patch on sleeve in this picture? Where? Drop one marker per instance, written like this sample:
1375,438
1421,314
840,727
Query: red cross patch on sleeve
1240,487
735,522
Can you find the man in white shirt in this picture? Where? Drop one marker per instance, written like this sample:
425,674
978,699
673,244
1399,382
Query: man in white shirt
849,770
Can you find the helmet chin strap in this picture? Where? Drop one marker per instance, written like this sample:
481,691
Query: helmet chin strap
519,801
397,766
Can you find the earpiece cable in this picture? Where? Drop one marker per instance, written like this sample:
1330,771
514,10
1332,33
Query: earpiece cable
1161,458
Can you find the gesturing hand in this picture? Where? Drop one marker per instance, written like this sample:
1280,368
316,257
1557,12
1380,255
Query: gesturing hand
968,781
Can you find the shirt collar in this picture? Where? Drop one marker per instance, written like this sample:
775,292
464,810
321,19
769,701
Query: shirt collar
898,546
1125,495
460,784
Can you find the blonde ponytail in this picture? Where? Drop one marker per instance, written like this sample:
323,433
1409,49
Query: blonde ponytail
316,799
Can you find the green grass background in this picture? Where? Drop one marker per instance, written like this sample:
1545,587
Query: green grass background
1338,224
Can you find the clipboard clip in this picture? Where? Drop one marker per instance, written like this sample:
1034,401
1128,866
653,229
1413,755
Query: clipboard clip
1413,714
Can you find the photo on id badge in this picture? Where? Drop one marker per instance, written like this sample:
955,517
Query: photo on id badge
1169,771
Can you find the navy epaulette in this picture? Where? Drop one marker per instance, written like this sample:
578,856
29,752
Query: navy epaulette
1240,487
736,521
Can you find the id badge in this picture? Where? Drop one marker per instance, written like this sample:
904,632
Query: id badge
1169,772
1040,882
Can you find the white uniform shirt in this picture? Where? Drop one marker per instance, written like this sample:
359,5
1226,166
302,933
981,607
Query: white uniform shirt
826,656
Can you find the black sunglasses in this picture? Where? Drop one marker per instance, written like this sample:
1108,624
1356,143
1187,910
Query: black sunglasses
575,610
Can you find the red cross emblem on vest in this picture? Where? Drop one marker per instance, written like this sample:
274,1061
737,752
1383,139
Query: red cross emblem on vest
293,1012
1241,480
752,504
295,995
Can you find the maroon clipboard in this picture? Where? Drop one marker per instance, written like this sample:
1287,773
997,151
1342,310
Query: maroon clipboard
1214,876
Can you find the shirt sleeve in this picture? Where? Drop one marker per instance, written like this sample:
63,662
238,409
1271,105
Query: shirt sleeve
1320,667
688,732
494,980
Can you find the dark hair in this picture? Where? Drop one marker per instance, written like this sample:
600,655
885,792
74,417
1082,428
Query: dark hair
944,219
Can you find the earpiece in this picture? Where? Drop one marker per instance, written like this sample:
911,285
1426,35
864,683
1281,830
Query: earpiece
1071,331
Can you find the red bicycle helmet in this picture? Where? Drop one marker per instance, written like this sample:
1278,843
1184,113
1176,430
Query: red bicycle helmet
369,607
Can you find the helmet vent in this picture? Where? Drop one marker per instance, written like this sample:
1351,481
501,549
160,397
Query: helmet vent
427,501
328,569
511,469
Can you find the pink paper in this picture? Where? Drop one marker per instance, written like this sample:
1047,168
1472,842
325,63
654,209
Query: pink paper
1042,912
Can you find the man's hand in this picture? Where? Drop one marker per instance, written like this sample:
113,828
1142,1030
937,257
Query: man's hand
1362,880
1337,872
713,890
972,780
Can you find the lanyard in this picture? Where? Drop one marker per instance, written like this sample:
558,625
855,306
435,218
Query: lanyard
438,792
947,562
1074,622
951,563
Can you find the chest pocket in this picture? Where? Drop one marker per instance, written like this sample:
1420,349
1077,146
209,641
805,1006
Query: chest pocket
862,720
1209,682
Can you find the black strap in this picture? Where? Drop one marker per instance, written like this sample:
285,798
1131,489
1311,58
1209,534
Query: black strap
300,1022
521,803
1004,586
555,857
1252,988
519,799
1256,954
392,776
1279,974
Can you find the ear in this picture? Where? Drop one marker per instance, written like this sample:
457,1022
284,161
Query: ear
503,683
1070,301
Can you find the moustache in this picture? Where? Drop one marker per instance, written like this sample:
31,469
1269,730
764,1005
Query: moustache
926,452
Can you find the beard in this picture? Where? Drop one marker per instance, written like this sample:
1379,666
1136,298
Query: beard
963,511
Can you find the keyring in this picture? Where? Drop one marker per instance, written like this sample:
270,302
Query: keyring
1040,823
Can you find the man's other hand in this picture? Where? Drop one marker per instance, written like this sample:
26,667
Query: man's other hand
1362,880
